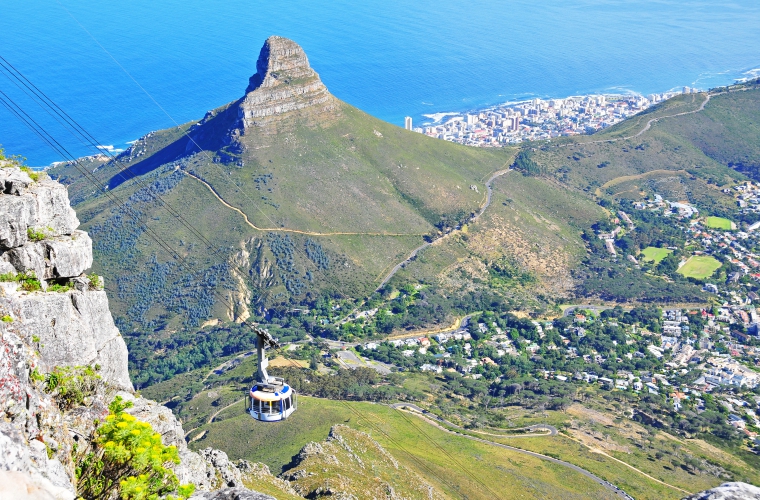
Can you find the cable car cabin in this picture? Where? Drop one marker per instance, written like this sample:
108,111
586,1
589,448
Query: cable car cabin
271,399
271,402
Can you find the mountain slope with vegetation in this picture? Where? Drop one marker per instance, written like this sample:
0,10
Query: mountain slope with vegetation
296,196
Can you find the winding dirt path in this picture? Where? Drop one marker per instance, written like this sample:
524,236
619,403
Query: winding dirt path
651,122
606,484
281,229
428,417
212,417
413,254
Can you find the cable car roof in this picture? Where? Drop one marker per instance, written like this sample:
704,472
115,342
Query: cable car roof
267,338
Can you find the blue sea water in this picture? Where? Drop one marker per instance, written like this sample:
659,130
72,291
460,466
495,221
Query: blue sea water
388,58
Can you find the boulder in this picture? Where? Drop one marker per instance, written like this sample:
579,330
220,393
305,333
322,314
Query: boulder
54,258
68,256
236,493
26,472
729,491
14,181
54,214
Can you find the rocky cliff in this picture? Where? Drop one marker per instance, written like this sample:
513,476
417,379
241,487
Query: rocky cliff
40,250
62,360
284,82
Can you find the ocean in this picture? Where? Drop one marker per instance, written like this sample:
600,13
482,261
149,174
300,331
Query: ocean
389,58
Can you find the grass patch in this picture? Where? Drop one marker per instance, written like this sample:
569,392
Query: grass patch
400,434
719,223
655,254
699,267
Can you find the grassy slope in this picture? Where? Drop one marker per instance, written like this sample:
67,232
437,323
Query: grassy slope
342,176
353,174
532,222
590,425
677,161
274,444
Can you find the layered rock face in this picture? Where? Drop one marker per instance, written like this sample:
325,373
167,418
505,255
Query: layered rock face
38,237
284,82
56,317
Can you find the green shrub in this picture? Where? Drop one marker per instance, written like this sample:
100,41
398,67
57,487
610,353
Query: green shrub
31,285
129,461
60,288
34,235
13,160
94,280
35,176
29,281
71,384
37,376
7,319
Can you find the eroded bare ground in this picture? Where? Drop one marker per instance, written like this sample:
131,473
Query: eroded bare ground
524,244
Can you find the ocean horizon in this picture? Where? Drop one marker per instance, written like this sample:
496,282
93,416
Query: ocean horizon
106,64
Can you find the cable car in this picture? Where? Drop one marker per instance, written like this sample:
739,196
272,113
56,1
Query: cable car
271,399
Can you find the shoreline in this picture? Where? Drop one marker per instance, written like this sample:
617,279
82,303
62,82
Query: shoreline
514,122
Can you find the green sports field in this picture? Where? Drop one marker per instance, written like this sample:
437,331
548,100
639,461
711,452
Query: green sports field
700,267
655,254
719,223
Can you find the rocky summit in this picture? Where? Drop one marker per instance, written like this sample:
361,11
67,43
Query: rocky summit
283,82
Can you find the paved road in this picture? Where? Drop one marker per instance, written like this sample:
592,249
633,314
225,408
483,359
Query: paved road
588,307
655,120
417,250
609,486
349,359
534,428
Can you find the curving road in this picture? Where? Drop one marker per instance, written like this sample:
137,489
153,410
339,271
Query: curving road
427,415
413,254
552,431
652,121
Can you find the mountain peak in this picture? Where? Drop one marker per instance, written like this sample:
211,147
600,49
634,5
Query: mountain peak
284,82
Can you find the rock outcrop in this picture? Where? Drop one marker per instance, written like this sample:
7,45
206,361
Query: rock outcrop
352,465
283,83
54,317
728,491
39,239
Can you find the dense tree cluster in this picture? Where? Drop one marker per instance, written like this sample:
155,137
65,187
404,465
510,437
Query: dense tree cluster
283,249
360,384
152,360
525,164
317,255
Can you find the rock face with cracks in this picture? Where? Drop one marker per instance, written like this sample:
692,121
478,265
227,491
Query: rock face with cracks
54,317
284,82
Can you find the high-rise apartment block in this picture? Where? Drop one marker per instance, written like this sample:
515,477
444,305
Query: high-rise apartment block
408,123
